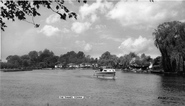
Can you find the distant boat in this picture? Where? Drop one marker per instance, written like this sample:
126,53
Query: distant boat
105,72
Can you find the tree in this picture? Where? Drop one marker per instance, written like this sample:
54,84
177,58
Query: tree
69,57
157,63
33,55
80,57
25,60
107,59
142,62
126,59
50,61
47,58
33,59
104,59
25,63
46,53
143,56
170,40
5,65
20,9
15,60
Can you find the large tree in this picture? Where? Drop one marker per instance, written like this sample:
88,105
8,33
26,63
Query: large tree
170,40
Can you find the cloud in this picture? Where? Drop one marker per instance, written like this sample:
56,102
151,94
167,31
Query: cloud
100,26
85,46
79,27
87,9
183,20
53,19
94,18
49,30
110,38
88,47
88,14
69,1
139,45
144,13
65,30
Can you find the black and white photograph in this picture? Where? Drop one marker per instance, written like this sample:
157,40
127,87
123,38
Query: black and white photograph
92,53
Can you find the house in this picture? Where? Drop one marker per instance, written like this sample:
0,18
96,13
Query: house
94,65
59,65
85,65
72,65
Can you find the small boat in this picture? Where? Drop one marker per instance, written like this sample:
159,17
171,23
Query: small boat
105,72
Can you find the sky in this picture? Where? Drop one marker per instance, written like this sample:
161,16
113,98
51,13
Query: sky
117,26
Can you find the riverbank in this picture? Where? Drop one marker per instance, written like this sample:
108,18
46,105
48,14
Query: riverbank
150,71
15,70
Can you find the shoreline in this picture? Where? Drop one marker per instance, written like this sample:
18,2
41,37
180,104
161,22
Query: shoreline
159,72
15,70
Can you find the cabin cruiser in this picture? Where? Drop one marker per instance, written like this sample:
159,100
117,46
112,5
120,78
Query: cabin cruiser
105,71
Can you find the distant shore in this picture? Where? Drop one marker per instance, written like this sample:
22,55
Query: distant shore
160,72
15,70
124,70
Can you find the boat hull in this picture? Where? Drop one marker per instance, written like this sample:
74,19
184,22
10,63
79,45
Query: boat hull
105,74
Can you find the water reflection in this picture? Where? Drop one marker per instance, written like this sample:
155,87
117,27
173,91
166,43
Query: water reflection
173,84
106,78
171,90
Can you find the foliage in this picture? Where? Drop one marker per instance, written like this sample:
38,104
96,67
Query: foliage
125,60
33,59
20,9
133,59
143,61
47,59
5,65
157,63
76,58
14,60
170,40
107,59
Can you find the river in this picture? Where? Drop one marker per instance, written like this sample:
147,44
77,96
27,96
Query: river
80,88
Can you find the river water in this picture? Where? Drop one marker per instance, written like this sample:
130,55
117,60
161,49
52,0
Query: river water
81,88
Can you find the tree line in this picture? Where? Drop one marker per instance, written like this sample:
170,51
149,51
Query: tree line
47,59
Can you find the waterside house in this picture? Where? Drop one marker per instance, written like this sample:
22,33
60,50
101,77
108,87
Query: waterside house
85,65
73,65
59,65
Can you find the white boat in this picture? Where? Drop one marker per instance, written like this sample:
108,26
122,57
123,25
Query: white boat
105,72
